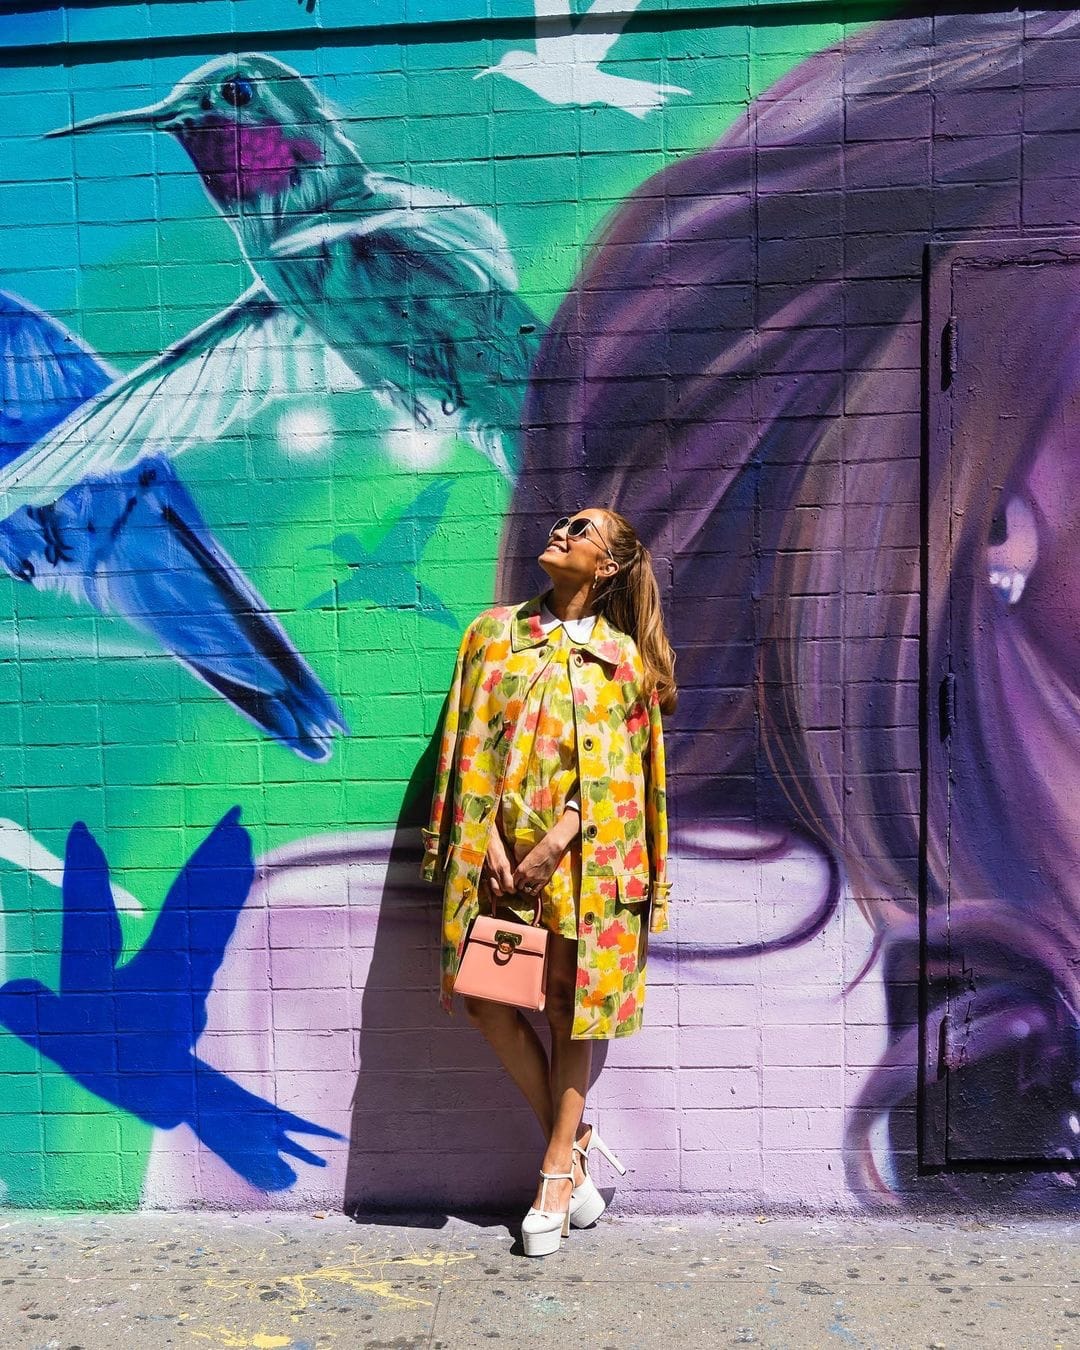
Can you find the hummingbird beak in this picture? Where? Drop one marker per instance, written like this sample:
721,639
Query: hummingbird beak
491,70
157,115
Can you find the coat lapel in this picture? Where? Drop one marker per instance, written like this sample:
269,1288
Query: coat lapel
606,643
525,630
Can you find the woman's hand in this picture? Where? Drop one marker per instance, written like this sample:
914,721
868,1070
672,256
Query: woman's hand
500,873
537,867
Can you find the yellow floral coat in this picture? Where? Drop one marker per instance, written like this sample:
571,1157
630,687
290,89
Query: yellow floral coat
620,748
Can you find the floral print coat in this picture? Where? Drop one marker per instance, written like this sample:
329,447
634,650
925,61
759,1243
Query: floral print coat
620,748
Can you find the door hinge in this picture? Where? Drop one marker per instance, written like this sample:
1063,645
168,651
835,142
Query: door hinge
949,351
947,706
952,1046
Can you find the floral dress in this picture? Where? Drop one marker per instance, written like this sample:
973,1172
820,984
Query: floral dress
541,777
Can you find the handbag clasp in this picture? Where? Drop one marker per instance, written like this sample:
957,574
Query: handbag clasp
506,942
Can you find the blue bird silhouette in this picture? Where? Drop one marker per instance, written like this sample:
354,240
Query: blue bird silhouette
127,1032
385,574
133,543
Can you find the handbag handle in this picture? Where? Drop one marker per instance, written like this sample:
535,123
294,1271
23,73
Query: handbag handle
538,902
538,907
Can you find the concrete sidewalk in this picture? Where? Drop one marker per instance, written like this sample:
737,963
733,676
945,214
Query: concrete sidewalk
290,1282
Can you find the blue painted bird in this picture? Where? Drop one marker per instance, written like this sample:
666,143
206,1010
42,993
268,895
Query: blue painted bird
412,291
132,542
45,374
385,575
127,1032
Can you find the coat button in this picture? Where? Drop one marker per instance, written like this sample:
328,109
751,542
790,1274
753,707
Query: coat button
591,831
579,660
588,743
588,920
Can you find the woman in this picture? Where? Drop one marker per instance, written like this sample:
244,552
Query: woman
550,785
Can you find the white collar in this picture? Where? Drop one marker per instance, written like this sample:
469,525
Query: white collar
577,630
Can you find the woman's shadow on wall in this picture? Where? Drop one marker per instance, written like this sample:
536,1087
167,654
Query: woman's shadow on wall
437,1129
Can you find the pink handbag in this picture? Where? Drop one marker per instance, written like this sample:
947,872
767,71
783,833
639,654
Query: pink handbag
505,962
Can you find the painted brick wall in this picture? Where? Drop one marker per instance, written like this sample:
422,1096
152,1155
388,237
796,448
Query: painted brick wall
794,295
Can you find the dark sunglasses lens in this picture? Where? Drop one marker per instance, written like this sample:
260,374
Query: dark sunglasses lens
577,528
560,524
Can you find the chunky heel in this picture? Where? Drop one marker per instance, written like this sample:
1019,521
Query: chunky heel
542,1230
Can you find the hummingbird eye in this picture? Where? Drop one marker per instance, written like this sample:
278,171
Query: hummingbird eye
239,92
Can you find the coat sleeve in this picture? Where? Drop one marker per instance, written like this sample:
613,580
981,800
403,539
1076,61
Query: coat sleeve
437,833
656,822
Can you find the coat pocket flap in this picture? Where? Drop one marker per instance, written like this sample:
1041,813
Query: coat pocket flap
468,857
633,888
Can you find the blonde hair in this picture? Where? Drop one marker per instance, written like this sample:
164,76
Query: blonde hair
630,600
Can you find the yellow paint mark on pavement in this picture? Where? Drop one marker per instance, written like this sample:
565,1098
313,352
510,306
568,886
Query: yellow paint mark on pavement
367,1275
231,1340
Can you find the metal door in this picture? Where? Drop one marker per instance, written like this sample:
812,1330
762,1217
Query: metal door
1001,923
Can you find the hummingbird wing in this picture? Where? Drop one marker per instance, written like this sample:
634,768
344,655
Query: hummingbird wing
221,374
599,28
411,533
554,19
428,510
45,374
134,544
90,941
195,924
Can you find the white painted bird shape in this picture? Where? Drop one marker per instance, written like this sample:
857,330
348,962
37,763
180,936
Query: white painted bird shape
361,281
564,66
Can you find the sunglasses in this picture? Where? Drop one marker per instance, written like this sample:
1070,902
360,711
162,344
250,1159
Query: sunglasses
577,528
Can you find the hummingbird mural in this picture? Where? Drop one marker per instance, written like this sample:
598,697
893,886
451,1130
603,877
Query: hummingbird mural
360,280
132,542
385,575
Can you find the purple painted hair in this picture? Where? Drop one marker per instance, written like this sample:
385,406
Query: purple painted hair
739,367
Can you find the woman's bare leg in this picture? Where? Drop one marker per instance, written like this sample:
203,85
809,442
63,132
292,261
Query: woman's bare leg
520,1051
571,1062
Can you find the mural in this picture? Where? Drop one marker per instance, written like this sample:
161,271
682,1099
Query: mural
386,336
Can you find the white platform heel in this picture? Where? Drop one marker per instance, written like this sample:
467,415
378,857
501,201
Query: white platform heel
586,1202
542,1230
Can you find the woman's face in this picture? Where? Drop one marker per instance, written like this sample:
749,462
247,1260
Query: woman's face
579,553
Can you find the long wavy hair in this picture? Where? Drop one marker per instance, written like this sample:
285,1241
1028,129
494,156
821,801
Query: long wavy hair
630,600
740,366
